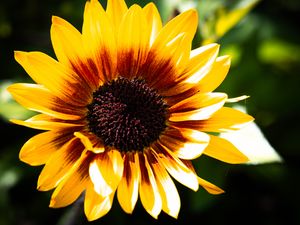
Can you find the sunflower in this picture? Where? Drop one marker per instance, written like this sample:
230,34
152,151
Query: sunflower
126,106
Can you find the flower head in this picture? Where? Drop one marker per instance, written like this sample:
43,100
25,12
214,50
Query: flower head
125,107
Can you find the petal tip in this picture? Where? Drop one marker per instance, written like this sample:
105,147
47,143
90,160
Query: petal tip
237,99
151,5
193,12
55,19
215,46
209,187
10,88
39,187
226,57
19,55
16,121
250,119
16,88
22,157
52,203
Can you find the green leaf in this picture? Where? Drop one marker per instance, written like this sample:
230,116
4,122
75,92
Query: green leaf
276,51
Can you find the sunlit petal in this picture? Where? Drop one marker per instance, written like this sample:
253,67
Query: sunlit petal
198,107
176,167
38,149
251,142
60,163
96,206
128,188
45,122
166,187
116,9
148,190
106,172
133,41
60,80
38,98
73,184
209,187
185,143
152,16
224,150
90,142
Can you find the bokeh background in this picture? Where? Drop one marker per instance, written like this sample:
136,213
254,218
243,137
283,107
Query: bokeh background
265,46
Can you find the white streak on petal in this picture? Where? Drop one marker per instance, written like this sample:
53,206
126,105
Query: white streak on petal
100,185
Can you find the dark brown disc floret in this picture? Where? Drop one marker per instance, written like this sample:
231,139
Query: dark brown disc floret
127,114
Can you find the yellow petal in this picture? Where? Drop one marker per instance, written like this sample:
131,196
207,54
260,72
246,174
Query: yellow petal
38,149
85,140
60,163
96,206
166,187
95,22
201,61
100,185
225,119
185,143
153,19
60,80
45,122
237,99
148,190
69,49
209,187
66,41
199,114
116,10
162,65
128,187
73,185
198,107
199,100
216,75
117,164
178,51
172,45
199,65
224,150
251,142
133,32
183,23
99,40
40,99
90,141
133,42
106,172
176,168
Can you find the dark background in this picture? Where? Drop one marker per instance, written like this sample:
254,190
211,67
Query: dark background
266,66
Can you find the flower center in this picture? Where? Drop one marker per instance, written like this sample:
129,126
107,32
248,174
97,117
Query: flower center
127,114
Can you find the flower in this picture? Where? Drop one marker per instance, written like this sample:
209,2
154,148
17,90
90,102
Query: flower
126,106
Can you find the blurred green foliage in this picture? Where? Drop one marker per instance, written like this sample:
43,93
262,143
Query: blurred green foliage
263,39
